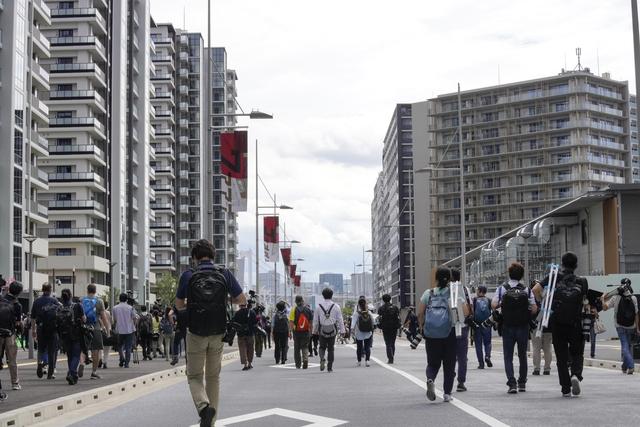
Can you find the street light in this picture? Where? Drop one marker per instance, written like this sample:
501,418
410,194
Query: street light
258,214
112,292
526,233
30,238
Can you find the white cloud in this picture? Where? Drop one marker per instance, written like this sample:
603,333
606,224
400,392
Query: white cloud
332,71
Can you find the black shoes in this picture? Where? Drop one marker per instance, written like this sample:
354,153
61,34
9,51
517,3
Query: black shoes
39,371
461,387
488,362
512,389
522,388
536,372
206,416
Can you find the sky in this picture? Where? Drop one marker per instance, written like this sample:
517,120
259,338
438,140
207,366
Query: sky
332,71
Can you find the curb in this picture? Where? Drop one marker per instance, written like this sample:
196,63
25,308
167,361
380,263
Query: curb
40,412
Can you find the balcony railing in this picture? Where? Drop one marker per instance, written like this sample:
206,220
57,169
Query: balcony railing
39,139
75,94
76,232
77,41
76,177
76,149
76,122
77,68
161,225
162,244
75,205
78,13
161,206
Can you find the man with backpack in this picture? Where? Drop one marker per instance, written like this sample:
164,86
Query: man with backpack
145,334
281,333
70,318
301,319
482,335
327,324
43,314
627,321
10,325
97,322
203,293
389,322
245,322
517,305
362,330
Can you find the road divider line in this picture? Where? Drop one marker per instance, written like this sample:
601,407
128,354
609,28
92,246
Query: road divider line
465,407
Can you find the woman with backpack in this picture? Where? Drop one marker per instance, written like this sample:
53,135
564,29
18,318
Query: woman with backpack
155,333
166,332
281,333
362,329
435,320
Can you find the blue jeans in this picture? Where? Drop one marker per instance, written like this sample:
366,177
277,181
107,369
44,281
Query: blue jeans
126,343
482,337
512,336
462,348
72,347
626,342
363,347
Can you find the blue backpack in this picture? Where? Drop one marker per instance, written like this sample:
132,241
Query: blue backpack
481,309
89,307
437,323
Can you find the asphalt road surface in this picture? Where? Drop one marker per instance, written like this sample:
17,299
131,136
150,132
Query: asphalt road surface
381,395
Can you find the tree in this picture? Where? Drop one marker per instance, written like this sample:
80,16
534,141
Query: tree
166,289
348,308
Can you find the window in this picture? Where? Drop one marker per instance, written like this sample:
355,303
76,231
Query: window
63,224
64,196
66,86
65,5
65,32
64,169
65,60
65,252
63,141
64,114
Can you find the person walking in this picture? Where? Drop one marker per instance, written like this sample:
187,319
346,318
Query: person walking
436,322
43,315
106,342
267,330
167,332
145,334
482,335
125,319
180,336
155,333
246,322
300,319
259,338
362,330
96,319
627,322
203,294
462,341
517,304
389,322
327,324
281,333
70,318
10,325
541,345
411,324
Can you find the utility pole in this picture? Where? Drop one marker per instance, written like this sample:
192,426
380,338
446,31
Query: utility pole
636,50
463,244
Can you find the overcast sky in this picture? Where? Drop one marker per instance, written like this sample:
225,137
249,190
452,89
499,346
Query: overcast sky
332,71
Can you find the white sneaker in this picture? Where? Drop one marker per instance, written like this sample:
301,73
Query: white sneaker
16,386
447,398
431,390
575,386
366,363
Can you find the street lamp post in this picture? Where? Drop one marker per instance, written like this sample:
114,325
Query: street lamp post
30,238
112,291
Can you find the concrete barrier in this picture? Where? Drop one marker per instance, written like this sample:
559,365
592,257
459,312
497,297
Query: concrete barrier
40,412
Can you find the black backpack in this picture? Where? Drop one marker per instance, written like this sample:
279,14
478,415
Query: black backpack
280,323
365,322
515,305
48,317
566,307
7,317
389,317
626,314
65,320
207,302
144,324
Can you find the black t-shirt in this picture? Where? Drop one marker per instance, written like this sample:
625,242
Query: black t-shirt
246,319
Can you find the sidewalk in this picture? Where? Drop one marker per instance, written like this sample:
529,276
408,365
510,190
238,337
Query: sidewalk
35,390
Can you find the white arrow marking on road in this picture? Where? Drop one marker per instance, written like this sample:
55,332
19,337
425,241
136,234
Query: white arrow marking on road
314,420
293,366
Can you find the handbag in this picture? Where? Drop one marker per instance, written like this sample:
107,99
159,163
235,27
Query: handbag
598,327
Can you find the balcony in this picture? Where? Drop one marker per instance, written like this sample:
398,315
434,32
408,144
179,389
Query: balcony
41,43
65,233
184,56
76,205
184,123
58,97
161,206
163,188
184,106
76,177
40,76
87,69
75,42
604,161
91,124
42,11
39,212
184,72
162,263
162,58
162,244
40,110
86,14
606,178
163,133
42,177
161,225
164,152
184,89
39,142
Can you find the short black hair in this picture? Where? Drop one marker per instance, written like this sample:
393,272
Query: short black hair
15,288
570,260
299,299
66,294
327,293
386,298
143,308
122,297
281,305
91,288
516,271
202,249
443,276
46,288
455,275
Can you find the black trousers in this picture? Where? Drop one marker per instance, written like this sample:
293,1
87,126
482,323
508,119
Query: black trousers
327,345
145,343
281,343
390,342
442,352
568,344
48,342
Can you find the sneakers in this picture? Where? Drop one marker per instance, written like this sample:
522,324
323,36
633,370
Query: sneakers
359,364
522,388
95,376
624,371
536,372
546,372
51,377
461,387
80,370
329,367
174,361
305,365
575,386
431,390
16,386
206,416
366,363
69,379
245,368
390,361
480,366
566,394
512,389
321,365
39,370
3,396
487,360
447,398
629,371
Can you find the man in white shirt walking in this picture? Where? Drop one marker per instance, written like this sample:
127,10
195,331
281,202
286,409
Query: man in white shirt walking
327,324
125,319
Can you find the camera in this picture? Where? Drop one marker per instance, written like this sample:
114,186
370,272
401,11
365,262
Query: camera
625,288
414,342
229,334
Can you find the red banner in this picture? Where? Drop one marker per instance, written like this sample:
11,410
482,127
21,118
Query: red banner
286,256
271,238
296,280
233,154
292,270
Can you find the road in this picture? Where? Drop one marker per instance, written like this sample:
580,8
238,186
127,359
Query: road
380,395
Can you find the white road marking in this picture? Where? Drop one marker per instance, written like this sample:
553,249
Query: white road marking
314,420
293,366
474,412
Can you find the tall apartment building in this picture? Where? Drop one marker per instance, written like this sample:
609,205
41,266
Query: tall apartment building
529,147
24,83
220,214
633,132
334,280
392,212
